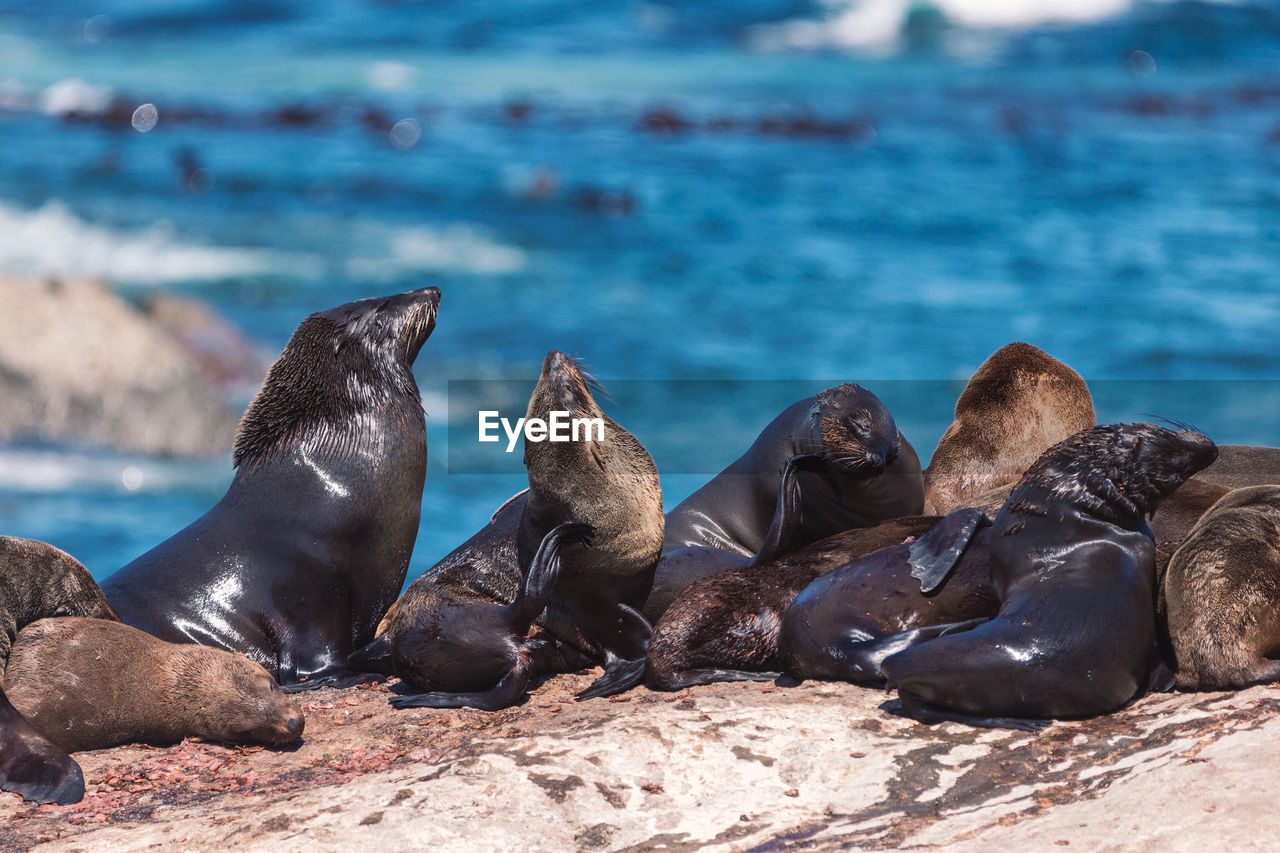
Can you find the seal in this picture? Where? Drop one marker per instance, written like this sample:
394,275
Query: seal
1179,512
1241,465
91,684
725,627
37,581
852,467
297,563
1018,403
844,624
573,555
1073,566
1219,600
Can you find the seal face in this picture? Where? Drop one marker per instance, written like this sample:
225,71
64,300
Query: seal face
855,469
1018,403
1220,597
573,555
91,684
1073,566
726,627
296,564
39,581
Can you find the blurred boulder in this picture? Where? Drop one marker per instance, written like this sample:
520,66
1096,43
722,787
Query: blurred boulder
80,364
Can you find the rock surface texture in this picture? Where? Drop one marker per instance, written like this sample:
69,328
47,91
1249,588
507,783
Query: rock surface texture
721,767
79,364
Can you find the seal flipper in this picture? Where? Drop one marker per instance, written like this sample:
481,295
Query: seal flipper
536,587
509,691
539,582
32,766
935,554
339,679
711,675
622,673
787,515
861,660
908,705
374,657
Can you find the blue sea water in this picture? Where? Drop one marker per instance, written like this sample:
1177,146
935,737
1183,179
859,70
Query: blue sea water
668,193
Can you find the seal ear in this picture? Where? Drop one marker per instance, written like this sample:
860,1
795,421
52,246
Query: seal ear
935,554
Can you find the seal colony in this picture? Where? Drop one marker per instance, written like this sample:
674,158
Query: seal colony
808,556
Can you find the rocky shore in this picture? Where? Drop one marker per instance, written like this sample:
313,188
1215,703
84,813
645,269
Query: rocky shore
81,365
721,767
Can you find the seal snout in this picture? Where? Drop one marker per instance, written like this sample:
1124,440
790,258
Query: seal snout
293,726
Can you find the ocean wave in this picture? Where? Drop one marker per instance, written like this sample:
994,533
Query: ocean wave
51,240
455,248
878,26
49,471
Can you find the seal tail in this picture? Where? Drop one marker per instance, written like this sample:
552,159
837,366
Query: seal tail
624,655
540,579
32,766
787,516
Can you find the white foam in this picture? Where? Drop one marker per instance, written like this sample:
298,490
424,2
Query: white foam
457,248
74,96
876,25
51,471
51,240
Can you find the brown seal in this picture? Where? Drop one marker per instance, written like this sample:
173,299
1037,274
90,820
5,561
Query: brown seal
1018,403
1220,597
39,581
725,627
573,555
90,684
1241,465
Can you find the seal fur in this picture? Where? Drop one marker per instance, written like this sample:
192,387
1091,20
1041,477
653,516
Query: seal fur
91,684
1018,403
726,627
1220,597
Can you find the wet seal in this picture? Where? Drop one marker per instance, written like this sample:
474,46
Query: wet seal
1073,566
297,563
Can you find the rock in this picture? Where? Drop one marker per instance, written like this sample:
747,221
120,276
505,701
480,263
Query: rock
79,364
721,767
219,348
